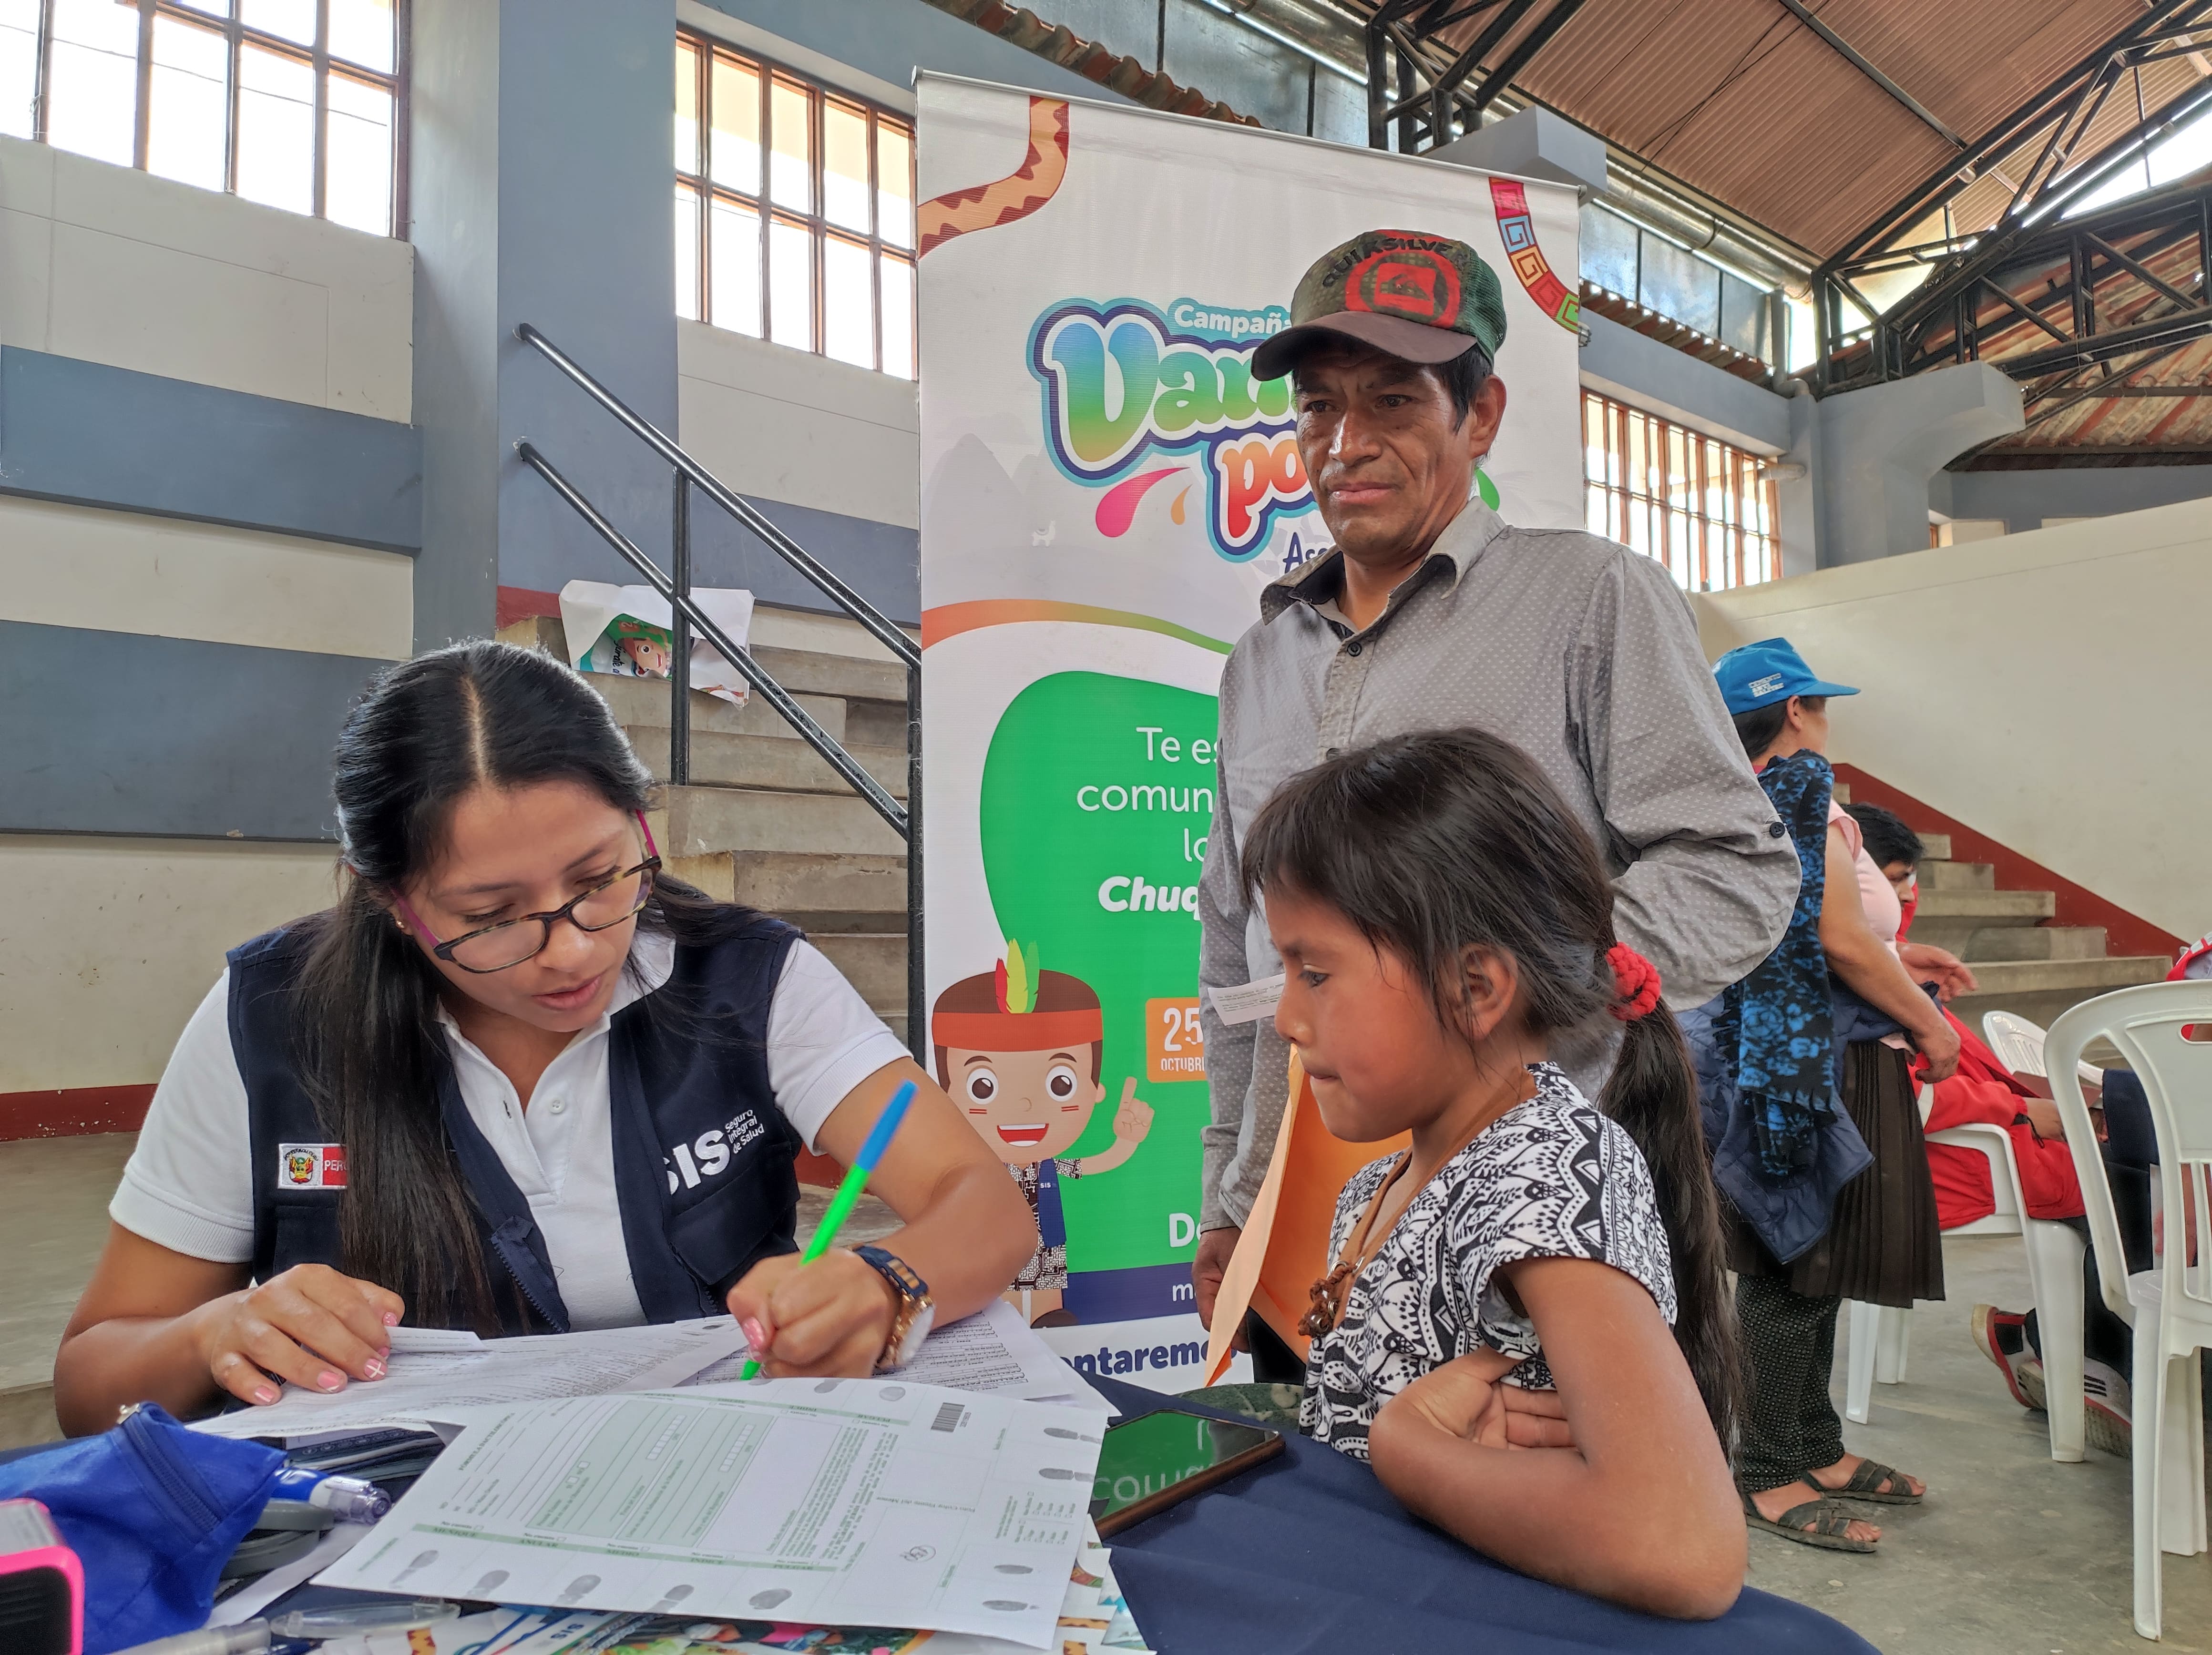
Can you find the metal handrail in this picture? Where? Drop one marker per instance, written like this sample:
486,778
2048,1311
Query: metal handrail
752,672
879,626
687,618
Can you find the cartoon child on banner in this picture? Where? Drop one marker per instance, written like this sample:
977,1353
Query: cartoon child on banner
1020,1050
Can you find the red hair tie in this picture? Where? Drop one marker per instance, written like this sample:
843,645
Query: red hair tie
1634,982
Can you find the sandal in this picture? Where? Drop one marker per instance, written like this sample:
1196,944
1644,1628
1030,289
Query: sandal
1866,1483
1828,1521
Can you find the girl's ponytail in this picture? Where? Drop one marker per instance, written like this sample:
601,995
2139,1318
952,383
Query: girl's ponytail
1653,1093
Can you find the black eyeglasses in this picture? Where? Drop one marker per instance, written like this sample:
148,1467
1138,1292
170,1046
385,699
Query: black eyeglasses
509,944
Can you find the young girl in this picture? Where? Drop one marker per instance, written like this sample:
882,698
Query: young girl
1443,919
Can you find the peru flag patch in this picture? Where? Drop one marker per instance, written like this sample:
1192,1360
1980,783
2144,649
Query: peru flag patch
311,1166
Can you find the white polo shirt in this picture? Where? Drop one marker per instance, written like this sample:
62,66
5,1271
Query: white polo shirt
189,1183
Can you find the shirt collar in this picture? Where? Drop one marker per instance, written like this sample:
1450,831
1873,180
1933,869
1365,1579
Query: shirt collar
652,962
1463,540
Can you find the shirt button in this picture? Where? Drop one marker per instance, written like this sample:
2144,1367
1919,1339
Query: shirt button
557,1106
1354,649
1774,830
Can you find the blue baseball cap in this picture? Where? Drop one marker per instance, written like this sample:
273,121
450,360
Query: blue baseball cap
1758,675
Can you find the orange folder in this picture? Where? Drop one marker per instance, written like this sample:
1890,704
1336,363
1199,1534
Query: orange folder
1284,1249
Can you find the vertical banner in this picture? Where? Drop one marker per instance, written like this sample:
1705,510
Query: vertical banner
1104,491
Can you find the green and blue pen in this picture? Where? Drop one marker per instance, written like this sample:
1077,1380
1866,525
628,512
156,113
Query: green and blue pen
848,1193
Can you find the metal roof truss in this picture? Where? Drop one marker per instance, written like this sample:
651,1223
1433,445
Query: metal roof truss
1944,319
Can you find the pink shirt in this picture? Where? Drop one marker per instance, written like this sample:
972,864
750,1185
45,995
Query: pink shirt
1876,894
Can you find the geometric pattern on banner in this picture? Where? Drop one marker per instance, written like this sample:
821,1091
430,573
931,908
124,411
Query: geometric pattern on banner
1518,231
1020,193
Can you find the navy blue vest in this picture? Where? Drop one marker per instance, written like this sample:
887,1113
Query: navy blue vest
704,1159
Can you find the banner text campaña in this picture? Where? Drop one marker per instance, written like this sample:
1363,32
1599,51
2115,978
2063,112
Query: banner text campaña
1123,379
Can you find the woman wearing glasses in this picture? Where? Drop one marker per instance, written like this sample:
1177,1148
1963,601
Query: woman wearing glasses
519,1080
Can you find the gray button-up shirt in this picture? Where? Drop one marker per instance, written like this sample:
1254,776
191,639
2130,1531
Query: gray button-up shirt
1577,649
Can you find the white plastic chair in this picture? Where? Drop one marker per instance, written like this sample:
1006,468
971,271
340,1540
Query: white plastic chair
1880,1336
1880,1342
2019,1045
2170,1305
2054,1275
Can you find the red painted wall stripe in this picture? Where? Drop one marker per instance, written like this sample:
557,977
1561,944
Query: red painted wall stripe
520,603
74,1112
2077,905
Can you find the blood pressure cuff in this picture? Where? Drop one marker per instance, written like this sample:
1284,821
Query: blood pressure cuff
153,1513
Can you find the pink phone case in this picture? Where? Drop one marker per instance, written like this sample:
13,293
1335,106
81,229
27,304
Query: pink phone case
41,1584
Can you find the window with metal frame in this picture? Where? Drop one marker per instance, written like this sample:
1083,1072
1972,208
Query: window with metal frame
794,210
1696,504
297,103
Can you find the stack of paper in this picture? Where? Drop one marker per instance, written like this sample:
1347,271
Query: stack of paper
1092,1618
435,1375
875,1502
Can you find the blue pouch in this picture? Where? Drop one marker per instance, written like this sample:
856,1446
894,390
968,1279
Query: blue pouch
153,1512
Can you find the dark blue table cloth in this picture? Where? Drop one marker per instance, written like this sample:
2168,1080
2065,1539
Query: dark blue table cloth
1311,1556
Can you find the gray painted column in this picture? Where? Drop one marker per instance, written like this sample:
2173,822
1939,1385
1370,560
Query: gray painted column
1797,497
1879,449
541,190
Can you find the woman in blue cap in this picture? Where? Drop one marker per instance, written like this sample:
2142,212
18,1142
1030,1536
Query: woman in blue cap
1831,1017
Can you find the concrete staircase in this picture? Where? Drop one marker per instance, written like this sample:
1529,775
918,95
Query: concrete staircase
765,821
2025,964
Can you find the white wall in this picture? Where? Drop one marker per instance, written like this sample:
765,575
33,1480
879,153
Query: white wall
78,566
109,943
789,425
114,265
2043,688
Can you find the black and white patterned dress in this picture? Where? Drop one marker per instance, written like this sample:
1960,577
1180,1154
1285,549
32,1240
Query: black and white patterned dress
1552,1178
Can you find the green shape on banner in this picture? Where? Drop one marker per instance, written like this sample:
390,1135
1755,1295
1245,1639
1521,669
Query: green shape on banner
1092,779
1485,489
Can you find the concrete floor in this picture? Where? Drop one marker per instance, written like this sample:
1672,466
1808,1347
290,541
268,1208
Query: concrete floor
2011,1552
53,1218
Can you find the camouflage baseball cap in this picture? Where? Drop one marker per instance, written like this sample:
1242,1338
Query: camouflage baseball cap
1425,298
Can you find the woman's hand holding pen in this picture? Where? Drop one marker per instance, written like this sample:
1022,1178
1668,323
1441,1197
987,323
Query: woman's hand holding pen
309,1325
827,1318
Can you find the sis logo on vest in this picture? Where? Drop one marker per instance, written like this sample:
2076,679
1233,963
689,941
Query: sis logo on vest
311,1166
687,1165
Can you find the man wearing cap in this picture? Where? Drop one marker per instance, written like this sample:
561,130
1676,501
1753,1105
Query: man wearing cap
1431,612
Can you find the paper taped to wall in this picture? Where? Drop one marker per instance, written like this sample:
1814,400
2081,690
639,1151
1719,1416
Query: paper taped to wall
628,631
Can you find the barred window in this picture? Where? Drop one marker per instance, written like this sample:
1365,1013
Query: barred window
794,210
299,104
1693,502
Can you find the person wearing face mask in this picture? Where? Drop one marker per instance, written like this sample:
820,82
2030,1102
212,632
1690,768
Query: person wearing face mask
1432,612
519,1079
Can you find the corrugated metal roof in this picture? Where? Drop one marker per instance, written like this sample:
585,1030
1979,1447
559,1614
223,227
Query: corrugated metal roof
2109,415
1740,99
1059,44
